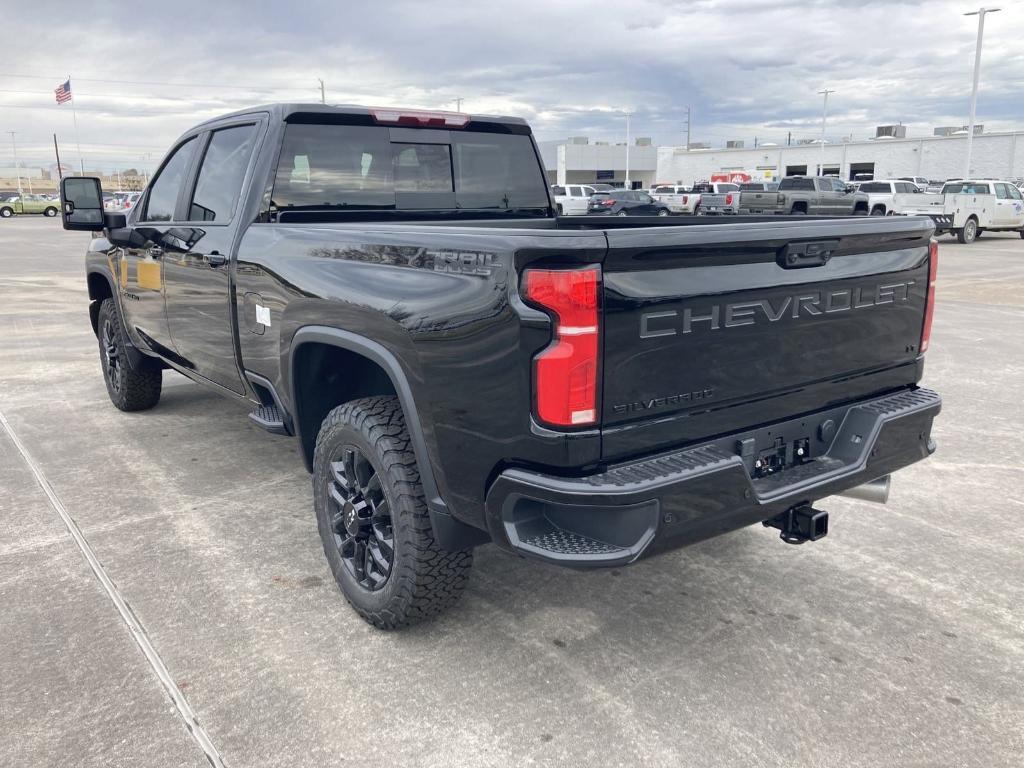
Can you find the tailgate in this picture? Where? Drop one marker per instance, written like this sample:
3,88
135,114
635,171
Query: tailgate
716,328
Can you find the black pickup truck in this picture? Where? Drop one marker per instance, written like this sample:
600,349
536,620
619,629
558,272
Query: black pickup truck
459,365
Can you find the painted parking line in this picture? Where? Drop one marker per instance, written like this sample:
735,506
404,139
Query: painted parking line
192,725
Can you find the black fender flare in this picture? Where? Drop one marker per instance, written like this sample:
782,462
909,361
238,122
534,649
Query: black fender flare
136,358
450,533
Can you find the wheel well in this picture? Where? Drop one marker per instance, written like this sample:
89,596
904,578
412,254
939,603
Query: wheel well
879,207
99,289
325,376
862,206
800,206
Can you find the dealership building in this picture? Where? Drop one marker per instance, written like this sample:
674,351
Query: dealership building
577,160
580,160
994,155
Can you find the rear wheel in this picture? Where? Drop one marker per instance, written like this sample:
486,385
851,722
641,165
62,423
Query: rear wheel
130,389
663,212
969,233
50,212
6,213
373,519
622,213
878,210
798,210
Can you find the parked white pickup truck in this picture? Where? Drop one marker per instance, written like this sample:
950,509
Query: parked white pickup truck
571,199
676,197
968,208
882,192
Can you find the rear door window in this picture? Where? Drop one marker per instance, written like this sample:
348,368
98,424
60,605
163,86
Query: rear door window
558,191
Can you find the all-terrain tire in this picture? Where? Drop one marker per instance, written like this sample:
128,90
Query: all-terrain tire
130,389
423,580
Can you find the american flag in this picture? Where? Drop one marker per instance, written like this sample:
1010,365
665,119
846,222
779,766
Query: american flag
63,92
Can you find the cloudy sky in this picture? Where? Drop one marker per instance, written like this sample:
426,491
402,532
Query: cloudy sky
144,71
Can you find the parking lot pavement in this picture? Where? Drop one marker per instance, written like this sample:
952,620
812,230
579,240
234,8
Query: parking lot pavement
898,640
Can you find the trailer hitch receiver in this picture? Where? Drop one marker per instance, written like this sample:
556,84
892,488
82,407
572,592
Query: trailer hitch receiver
800,523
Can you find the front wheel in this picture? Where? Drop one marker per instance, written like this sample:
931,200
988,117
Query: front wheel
6,213
130,389
663,212
622,213
51,212
373,519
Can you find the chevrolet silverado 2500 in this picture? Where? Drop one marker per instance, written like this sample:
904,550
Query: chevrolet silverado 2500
458,365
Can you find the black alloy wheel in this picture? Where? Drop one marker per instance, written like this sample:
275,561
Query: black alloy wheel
113,365
361,518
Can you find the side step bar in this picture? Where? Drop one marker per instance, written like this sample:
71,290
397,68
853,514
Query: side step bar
269,414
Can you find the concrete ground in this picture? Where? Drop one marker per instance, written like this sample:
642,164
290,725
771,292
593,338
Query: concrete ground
898,640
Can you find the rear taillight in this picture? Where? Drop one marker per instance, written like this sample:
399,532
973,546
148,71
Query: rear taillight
929,310
686,199
728,199
780,198
609,202
565,372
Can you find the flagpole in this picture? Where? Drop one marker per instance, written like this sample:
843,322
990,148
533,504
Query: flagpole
56,151
74,119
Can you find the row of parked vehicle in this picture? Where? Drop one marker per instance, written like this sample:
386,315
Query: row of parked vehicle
962,208
49,204
660,200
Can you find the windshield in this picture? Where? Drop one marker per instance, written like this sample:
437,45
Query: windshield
365,168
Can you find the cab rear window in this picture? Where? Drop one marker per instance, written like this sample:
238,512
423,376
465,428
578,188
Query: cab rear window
347,167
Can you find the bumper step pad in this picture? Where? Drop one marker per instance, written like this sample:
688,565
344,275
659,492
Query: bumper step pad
561,542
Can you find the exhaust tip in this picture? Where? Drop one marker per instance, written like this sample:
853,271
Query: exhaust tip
876,491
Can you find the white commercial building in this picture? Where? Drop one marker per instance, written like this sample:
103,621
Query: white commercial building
994,155
578,161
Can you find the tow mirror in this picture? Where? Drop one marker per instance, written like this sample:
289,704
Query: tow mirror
81,203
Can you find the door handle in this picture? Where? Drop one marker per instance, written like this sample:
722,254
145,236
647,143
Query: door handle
216,259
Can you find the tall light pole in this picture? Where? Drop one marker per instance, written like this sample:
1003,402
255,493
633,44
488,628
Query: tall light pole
627,113
824,117
323,97
458,103
17,170
980,13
